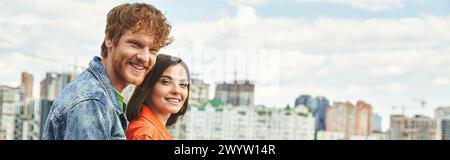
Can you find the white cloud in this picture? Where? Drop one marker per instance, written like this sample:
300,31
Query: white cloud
394,87
413,33
386,71
65,31
322,35
247,2
390,63
286,94
370,5
13,64
316,55
377,5
356,90
441,81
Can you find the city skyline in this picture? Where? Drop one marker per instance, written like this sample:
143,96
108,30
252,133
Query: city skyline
22,117
387,53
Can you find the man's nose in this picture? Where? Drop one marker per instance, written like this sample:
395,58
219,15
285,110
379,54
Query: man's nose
144,57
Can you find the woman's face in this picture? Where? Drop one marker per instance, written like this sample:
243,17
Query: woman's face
171,90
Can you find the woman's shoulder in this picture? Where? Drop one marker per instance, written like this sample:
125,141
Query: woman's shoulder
140,129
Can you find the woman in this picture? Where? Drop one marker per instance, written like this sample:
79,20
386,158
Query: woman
159,100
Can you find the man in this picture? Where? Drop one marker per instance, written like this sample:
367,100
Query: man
91,106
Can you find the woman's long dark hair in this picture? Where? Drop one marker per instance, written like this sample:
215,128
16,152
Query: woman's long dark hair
143,91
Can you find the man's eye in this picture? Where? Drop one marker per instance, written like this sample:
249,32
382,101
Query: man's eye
134,45
153,52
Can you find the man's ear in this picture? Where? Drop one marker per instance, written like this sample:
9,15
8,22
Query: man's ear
108,42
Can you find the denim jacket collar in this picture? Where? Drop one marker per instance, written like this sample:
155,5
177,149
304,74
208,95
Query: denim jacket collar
97,69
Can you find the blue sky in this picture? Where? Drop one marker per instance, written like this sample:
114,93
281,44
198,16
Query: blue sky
305,9
344,10
386,52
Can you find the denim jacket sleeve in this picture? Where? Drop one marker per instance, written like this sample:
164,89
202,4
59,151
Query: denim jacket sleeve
89,120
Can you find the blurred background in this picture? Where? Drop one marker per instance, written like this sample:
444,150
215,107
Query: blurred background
262,69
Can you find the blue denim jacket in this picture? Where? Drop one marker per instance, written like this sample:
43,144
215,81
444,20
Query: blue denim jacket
87,108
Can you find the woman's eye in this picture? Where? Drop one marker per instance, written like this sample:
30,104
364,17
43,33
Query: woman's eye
165,82
183,85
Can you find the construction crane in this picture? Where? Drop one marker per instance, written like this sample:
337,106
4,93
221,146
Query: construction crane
74,65
402,108
422,103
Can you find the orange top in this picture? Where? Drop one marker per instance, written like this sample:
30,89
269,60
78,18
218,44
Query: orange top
147,127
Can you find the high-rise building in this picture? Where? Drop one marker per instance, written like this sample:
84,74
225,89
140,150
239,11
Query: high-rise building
2,134
217,121
10,94
198,92
377,121
51,86
295,123
238,93
352,120
45,107
444,128
442,114
27,85
363,119
307,101
31,120
416,128
321,113
424,127
318,106
341,118
397,127
31,129
329,135
11,103
54,83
